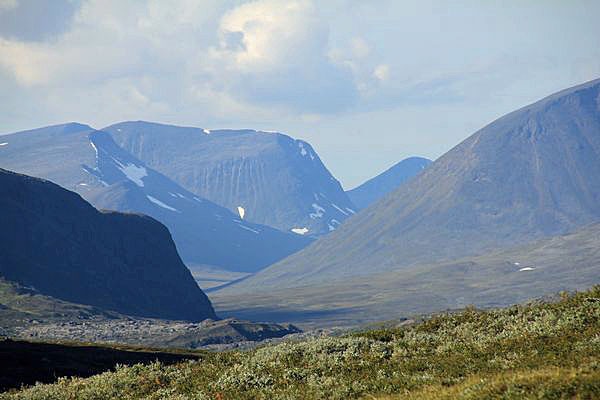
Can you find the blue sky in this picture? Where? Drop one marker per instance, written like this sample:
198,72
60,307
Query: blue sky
367,83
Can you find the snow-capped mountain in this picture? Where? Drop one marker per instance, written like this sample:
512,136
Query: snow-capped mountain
90,163
269,178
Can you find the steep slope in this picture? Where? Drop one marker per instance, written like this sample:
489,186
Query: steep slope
54,241
532,173
375,188
268,178
90,163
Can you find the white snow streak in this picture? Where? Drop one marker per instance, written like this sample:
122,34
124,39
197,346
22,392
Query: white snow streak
248,228
319,211
95,149
339,209
300,231
351,210
241,211
161,204
3,144
207,131
302,149
527,269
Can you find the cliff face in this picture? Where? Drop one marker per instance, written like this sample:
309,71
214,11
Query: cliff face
53,240
276,180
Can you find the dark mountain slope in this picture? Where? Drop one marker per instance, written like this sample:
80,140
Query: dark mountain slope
90,163
386,182
274,179
53,240
530,174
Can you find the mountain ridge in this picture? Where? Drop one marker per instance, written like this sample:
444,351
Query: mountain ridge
389,180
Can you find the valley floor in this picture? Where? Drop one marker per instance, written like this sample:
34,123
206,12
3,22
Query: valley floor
541,350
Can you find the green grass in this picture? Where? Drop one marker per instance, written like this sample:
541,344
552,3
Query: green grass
548,351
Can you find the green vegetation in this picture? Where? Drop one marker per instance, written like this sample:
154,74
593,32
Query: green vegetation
536,351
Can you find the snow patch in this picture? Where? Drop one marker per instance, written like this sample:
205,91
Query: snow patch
83,184
133,172
299,231
319,211
527,269
351,211
207,131
95,149
339,209
161,204
241,211
198,199
302,149
3,144
173,194
331,228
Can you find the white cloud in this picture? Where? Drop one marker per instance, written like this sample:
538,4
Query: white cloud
299,66
7,5
382,72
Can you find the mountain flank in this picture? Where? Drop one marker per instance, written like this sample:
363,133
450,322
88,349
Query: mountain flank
90,163
57,243
375,188
531,174
266,178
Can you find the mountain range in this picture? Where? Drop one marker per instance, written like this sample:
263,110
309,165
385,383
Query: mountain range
59,245
264,177
531,174
89,162
377,187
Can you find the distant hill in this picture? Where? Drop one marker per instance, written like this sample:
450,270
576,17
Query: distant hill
54,241
533,173
89,162
268,178
375,188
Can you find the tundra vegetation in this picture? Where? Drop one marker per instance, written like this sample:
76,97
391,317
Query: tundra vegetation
545,350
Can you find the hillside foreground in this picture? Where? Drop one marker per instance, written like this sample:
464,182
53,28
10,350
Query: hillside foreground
540,350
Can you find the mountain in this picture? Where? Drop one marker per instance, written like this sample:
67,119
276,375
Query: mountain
533,173
267,178
490,280
375,188
54,241
89,162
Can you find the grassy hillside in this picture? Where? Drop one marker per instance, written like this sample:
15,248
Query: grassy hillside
536,351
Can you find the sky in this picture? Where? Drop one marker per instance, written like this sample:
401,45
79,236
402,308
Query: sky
367,83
